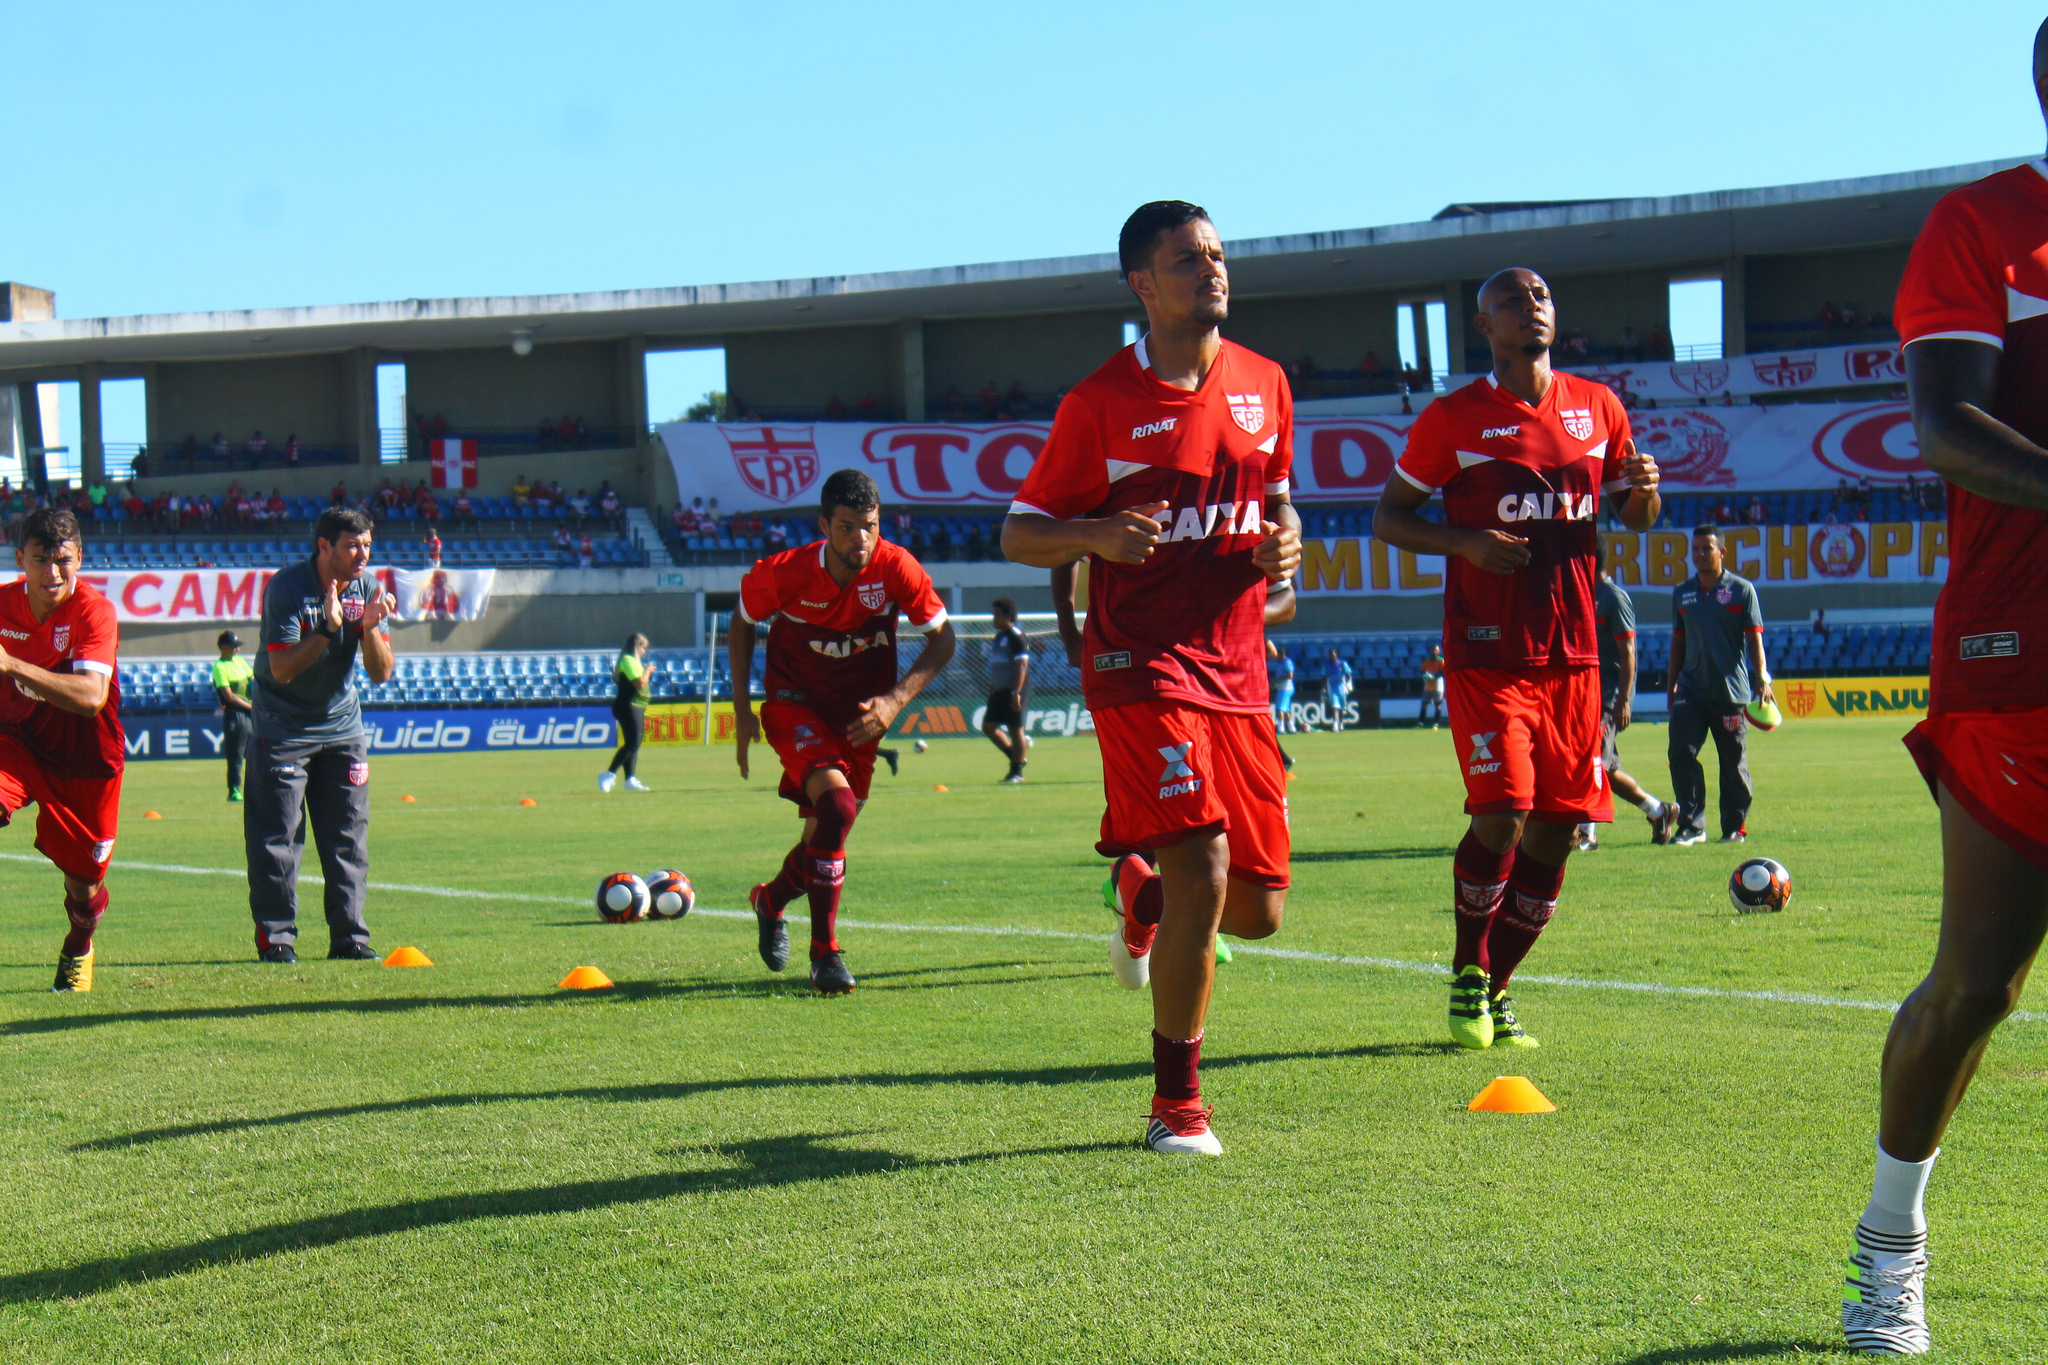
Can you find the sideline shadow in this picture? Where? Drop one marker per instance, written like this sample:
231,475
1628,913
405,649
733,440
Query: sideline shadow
766,1163
1709,1352
1366,855
676,1090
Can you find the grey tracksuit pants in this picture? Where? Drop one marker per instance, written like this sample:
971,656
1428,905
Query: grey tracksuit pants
293,784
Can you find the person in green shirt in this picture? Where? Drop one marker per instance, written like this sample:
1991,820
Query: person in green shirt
631,675
231,678
98,493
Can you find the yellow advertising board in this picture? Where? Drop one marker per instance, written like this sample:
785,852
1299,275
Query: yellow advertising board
1844,698
684,724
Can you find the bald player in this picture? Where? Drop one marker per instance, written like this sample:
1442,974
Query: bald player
1521,456
1972,314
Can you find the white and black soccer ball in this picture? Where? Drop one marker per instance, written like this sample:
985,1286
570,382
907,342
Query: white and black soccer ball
669,894
1759,886
621,898
921,746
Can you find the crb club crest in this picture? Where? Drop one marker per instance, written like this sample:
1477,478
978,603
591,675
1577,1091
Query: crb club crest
351,608
60,638
779,463
1701,377
1689,447
1786,371
1577,421
1836,551
358,774
1248,410
873,595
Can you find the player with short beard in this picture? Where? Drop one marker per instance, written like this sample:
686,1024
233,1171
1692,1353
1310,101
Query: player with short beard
1168,469
832,694
1522,456
61,743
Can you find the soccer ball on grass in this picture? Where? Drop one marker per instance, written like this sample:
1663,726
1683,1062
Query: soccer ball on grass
921,746
621,898
670,894
1760,885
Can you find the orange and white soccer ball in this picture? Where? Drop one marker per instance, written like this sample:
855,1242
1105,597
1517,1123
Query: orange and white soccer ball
621,898
669,894
1760,885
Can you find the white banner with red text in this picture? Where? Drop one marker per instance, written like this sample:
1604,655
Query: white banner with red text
1769,556
178,596
1798,370
1336,458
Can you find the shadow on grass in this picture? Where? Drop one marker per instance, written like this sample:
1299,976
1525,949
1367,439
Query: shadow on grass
1740,1350
676,1090
1366,855
762,1164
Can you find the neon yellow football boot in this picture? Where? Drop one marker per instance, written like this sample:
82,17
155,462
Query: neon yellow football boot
1508,1030
74,973
1471,1019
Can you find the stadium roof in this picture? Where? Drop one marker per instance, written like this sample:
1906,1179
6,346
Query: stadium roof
1465,242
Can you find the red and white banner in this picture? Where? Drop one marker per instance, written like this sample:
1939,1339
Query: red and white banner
454,463
197,596
1336,458
1769,556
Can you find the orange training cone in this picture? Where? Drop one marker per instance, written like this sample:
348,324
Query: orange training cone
408,957
585,979
528,801
151,815
409,800
1511,1095
941,787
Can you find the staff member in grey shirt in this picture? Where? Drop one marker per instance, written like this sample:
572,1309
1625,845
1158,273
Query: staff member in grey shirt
1717,666
308,753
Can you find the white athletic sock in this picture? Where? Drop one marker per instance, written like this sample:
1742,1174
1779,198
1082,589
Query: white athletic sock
1651,806
1894,1224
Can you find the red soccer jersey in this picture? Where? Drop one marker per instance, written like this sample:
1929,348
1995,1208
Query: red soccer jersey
81,636
1530,472
832,648
1979,272
1188,624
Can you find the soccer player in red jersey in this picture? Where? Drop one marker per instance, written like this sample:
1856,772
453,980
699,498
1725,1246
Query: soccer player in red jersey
1522,457
61,744
1168,468
832,693
1972,315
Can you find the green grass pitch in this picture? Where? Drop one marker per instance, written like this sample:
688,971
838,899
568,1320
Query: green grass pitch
212,1160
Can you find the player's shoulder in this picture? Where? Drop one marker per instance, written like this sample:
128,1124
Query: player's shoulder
895,559
1583,392
1247,364
784,562
2023,187
1468,403
86,600
1112,382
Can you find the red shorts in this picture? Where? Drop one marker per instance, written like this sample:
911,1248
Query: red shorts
1530,741
1995,763
1171,770
805,743
76,817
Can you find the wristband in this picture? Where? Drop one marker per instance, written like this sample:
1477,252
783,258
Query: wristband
320,627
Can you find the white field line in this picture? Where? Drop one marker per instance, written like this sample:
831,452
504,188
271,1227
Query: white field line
1387,964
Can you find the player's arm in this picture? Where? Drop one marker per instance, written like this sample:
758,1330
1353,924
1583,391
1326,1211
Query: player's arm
1398,521
82,693
1625,700
1064,577
739,655
230,700
1676,664
1643,504
877,714
1952,383
1047,542
378,660
293,656
1023,677
1280,604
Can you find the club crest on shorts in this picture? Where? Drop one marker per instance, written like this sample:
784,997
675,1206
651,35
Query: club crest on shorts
873,595
1248,410
359,773
60,638
351,608
103,850
1577,421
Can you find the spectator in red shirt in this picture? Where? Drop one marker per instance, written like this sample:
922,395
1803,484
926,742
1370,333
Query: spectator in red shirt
277,505
586,553
433,544
465,510
339,496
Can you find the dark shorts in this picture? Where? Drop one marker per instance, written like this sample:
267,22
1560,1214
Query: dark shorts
1610,756
1000,711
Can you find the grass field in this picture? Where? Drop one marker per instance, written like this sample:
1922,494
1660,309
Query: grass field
212,1160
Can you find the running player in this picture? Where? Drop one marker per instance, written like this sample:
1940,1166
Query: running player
1522,456
1432,712
1009,666
1614,622
1280,679
1168,467
1973,315
61,743
832,693
1336,690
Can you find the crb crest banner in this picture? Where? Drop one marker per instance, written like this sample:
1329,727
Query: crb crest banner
440,594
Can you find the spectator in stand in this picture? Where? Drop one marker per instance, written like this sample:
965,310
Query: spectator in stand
579,506
953,405
278,507
543,501
904,521
1758,514
565,430
291,450
582,434
96,493
258,446
244,510
1850,317
563,544
586,553
977,543
220,447
991,403
1660,343
133,505
338,497
437,427
778,537
425,503
1631,348
522,493
387,498
1370,366
465,510
609,503
544,435
1820,624
1724,513
433,545
1830,316
1579,344
1016,398
560,498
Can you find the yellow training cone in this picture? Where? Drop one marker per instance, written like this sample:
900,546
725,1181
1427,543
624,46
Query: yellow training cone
408,957
585,979
1511,1095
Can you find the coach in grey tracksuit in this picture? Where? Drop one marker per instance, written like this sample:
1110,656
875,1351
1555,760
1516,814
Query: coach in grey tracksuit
1717,667
308,755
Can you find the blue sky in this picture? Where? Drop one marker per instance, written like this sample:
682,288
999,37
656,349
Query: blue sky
201,156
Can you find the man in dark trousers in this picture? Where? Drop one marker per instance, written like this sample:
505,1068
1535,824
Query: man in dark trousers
232,677
1717,667
1009,665
310,755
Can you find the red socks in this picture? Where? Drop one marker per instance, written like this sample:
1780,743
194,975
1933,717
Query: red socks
1174,1064
85,918
825,866
789,883
1148,906
1533,889
1479,881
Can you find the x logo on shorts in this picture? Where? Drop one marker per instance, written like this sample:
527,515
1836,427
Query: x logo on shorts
1176,756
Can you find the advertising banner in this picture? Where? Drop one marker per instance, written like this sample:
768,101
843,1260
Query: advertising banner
197,596
683,723
198,734
1795,370
1860,552
1336,458
1845,698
